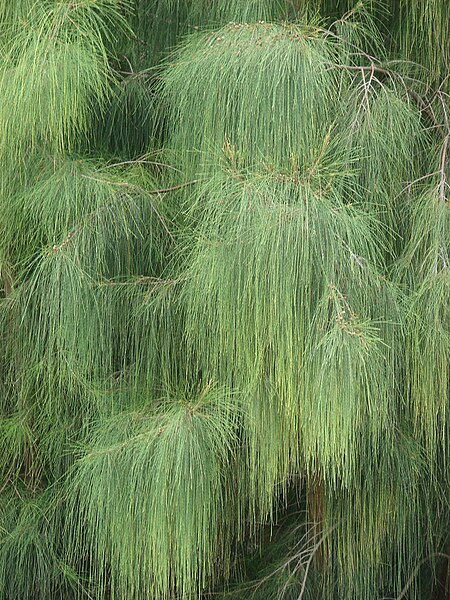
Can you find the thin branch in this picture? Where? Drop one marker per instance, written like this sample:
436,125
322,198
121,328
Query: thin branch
7,479
294,558
130,65
369,57
7,279
422,103
132,186
414,574
442,170
367,86
175,187
140,161
143,280
308,565
412,183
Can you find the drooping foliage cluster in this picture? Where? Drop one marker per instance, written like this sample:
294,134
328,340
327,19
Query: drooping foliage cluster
224,262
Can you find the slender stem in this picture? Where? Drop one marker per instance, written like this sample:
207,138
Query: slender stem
175,187
308,564
415,573
443,579
422,103
442,169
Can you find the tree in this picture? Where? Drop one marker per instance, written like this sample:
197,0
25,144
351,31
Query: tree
224,248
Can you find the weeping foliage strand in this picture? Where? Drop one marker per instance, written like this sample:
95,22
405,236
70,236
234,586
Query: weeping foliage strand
224,267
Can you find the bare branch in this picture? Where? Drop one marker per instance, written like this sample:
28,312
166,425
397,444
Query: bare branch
422,102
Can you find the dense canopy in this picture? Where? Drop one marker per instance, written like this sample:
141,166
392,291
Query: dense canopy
225,335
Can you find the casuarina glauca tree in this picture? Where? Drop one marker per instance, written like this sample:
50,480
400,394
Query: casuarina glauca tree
224,262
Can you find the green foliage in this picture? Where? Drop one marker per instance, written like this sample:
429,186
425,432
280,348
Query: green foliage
278,283
218,90
425,261
159,24
86,229
224,267
143,458
55,70
30,559
424,27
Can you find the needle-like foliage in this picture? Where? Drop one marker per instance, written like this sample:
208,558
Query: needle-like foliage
54,71
265,120
159,24
224,290
425,29
288,310
85,230
29,558
166,521
425,267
